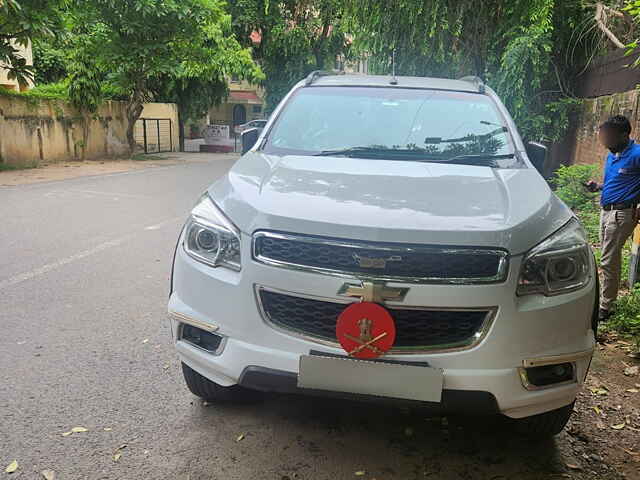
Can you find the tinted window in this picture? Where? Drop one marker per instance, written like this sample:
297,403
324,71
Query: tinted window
439,123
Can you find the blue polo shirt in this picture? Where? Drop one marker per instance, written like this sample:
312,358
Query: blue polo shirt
622,176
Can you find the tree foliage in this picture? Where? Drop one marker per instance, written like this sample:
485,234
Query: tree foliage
528,50
296,37
22,21
141,46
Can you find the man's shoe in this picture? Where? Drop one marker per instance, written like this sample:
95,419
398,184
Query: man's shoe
604,315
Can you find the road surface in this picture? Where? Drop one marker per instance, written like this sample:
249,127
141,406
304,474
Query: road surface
84,269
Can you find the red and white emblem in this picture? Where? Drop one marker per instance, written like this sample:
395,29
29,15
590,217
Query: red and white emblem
366,330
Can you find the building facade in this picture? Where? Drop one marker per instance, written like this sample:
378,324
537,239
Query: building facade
244,103
12,84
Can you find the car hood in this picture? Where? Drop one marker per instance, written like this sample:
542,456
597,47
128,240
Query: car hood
390,201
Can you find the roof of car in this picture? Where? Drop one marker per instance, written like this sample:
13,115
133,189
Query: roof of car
468,84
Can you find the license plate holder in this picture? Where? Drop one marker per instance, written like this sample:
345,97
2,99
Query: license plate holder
378,378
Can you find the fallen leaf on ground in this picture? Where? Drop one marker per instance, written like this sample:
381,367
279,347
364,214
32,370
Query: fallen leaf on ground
599,390
632,390
48,474
13,466
240,437
572,466
619,426
118,453
145,340
632,371
79,430
107,429
360,473
66,434
166,367
597,410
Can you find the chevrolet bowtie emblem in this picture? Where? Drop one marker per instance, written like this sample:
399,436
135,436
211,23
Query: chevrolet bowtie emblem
373,292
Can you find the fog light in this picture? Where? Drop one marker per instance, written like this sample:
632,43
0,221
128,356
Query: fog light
200,338
549,374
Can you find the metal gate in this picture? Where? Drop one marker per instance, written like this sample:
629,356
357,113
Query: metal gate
154,135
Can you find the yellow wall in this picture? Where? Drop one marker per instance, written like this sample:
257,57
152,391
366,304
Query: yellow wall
51,131
162,111
32,132
26,53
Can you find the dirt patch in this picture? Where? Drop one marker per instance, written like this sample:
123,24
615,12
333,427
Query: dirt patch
604,432
65,170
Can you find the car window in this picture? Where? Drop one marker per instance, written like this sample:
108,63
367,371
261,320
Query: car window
441,123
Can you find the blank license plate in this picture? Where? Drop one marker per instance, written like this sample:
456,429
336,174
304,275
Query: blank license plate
349,375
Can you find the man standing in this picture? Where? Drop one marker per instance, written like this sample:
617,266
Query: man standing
619,201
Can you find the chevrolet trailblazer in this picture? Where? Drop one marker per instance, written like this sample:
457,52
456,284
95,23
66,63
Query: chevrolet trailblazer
388,237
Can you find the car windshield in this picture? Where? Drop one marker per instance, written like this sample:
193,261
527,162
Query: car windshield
414,124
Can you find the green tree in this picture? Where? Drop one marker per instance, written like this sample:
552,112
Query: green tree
528,50
296,37
135,45
22,21
50,59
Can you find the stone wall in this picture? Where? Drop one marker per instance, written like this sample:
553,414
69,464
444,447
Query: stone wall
35,131
581,143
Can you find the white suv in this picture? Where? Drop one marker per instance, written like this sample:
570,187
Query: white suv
416,197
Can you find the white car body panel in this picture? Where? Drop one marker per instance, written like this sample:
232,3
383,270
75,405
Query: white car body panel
391,201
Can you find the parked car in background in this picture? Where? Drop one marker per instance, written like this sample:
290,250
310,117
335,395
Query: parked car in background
259,124
388,237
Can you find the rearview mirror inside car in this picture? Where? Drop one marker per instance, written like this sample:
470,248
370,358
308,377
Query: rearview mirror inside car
249,139
537,153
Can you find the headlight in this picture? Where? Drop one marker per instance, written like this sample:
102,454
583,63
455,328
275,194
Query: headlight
560,264
211,238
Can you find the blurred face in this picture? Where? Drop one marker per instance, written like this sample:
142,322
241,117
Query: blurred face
613,139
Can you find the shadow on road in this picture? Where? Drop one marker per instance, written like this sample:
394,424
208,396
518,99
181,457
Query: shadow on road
298,437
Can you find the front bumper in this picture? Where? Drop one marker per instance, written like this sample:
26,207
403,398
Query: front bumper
523,331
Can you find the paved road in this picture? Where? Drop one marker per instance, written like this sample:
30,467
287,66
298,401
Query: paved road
84,266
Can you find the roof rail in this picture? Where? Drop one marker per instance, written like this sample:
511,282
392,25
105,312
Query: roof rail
477,81
313,76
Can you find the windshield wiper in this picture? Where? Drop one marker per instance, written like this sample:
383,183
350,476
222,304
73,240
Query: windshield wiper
484,159
370,150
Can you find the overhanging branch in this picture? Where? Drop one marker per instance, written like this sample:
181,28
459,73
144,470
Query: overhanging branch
601,17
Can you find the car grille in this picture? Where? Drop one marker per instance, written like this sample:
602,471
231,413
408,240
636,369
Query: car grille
415,328
385,261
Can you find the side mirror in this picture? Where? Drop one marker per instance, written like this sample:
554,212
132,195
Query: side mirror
537,153
249,139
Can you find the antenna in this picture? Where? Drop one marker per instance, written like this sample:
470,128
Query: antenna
394,80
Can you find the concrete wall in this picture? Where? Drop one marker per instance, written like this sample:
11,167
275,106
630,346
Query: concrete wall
34,131
164,111
581,142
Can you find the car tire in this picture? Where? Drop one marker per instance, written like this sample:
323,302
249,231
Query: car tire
545,424
207,390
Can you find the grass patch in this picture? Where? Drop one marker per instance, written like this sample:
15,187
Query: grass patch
7,168
145,157
626,319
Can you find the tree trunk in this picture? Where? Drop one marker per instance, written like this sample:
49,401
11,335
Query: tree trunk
134,110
